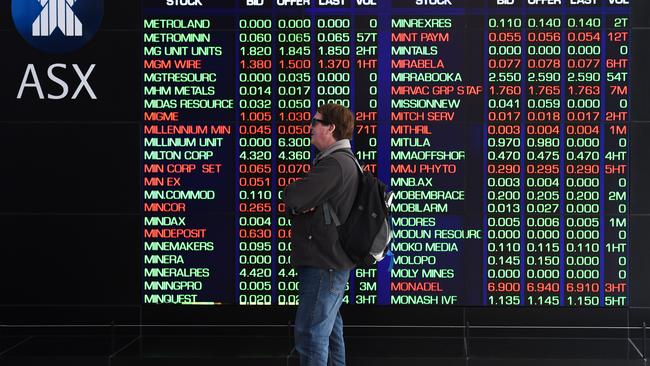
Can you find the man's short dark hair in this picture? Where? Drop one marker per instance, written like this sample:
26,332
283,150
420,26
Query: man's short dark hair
340,117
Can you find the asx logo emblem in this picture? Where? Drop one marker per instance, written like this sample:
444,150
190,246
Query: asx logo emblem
63,18
57,26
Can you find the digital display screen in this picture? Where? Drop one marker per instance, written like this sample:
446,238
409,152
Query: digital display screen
502,126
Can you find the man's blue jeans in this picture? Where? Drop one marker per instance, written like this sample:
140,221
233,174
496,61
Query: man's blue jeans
319,326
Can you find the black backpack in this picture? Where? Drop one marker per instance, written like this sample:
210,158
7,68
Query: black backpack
367,233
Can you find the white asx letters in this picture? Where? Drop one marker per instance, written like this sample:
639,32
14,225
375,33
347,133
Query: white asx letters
30,73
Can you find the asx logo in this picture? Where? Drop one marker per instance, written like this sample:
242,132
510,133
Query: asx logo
57,26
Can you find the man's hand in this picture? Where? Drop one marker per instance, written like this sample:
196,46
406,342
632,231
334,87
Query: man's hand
294,212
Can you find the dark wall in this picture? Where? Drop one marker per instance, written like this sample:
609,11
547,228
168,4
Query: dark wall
70,213
69,203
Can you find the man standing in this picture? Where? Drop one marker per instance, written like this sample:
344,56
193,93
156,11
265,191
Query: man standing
322,265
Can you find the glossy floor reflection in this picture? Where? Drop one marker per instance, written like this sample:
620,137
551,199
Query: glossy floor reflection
277,350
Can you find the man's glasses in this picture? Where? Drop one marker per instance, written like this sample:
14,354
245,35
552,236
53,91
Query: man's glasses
314,121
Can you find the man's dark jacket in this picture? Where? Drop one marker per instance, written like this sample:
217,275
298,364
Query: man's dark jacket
333,178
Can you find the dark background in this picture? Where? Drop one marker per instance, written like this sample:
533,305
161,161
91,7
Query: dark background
70,193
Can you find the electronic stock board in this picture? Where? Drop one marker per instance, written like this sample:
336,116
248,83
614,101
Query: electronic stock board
502,126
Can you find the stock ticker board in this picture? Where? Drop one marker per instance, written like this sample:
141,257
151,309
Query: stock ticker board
502,126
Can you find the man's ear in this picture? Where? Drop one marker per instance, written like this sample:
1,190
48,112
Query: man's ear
331,128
